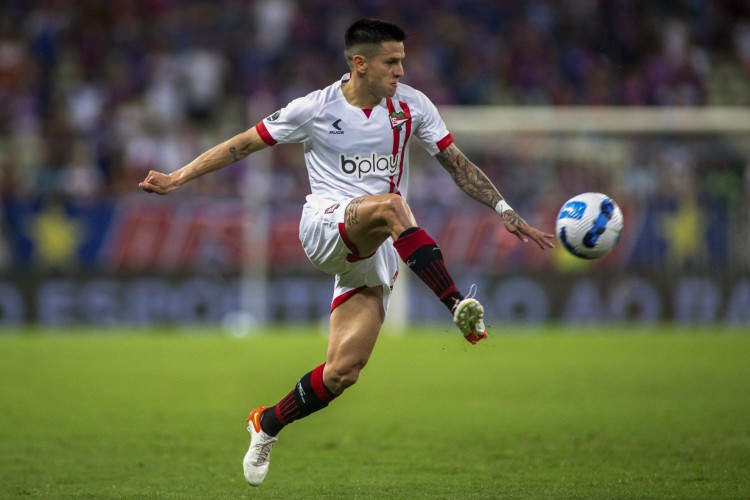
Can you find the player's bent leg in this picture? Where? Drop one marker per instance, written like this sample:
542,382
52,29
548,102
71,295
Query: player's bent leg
370,220
424,257
354,329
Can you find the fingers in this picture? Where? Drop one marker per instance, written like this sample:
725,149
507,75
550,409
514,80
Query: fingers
549,240
155,182
151,188
520,235
542,239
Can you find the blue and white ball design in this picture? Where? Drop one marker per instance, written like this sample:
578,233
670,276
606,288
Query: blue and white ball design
589,225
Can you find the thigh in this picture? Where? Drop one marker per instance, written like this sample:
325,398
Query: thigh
354,328
370,220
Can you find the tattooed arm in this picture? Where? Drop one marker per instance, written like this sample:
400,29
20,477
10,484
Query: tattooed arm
217,157
468,177
472,181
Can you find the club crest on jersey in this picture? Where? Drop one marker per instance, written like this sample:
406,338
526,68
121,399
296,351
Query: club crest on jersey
398,118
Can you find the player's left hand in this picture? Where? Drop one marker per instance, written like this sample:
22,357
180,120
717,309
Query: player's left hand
514,224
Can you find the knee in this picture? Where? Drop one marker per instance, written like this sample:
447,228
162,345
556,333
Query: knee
338,376
396,212
394,205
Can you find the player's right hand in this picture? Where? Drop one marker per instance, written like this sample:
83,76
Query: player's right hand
157,182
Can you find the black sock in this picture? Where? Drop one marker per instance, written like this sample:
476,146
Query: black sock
308,396
423,256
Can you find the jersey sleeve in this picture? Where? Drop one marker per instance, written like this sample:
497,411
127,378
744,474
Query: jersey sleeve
431,131
292,123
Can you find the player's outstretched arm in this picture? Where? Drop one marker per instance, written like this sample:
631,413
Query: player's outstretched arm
472,181
217,157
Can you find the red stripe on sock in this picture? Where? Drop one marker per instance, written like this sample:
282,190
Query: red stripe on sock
443,284
320,389
432,278
406,245
279,416
439,274
448,292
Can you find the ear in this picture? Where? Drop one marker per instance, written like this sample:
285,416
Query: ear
359,63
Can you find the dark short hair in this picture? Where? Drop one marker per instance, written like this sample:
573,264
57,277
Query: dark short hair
370,32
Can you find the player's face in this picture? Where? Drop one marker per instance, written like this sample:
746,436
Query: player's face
385,68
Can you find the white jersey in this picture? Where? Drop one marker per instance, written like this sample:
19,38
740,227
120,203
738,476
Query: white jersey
350,151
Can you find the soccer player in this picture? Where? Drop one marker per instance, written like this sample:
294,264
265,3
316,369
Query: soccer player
356,222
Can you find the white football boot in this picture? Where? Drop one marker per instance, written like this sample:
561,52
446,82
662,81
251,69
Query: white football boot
468,315
258,456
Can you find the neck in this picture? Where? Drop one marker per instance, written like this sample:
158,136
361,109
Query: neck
357,94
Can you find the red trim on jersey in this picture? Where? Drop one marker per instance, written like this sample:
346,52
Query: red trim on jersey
405,109
354,256
367,112
396,138
337,301
391,107
444,142
264,134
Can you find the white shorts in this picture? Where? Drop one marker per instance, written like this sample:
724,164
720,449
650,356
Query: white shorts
323,237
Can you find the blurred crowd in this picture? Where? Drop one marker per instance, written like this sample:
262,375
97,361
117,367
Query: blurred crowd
94,94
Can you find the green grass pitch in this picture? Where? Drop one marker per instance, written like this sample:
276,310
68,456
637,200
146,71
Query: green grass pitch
532,414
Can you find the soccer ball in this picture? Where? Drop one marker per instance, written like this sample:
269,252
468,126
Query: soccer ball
589,225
